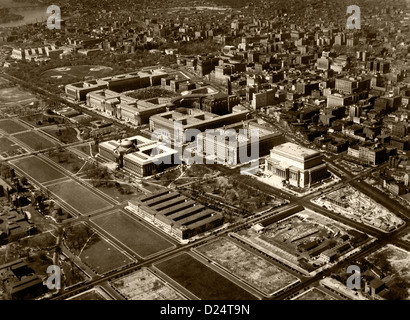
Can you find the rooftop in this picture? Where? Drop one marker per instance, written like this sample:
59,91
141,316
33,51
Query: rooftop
295,150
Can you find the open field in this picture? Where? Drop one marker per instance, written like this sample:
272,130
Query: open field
76,73
255,270
133,234
35,140
78,196
202,281
40,120
67,160
314,294
11,126
103,257
37,169
8,148
115,193
15,94
93,249
144,285
63,133
86,149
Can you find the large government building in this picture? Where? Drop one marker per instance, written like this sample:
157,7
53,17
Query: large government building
223,145
298,166
138,155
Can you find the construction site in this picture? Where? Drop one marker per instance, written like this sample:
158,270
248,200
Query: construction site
353,204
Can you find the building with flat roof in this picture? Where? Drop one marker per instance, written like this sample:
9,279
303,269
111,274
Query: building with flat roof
223,144
126,108
19,282
192,119
296,165
176,214
139,155
118,83
103,100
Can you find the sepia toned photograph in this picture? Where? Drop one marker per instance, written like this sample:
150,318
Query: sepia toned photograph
201,158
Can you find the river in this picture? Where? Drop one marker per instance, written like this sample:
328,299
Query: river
30,15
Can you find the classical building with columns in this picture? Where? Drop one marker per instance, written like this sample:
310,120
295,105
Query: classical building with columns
296,165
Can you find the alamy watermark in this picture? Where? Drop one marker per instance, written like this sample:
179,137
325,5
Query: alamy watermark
353,21
54,21
354,281
54,279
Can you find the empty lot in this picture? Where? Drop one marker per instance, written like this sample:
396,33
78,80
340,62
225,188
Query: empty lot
133,234
78,196
202,281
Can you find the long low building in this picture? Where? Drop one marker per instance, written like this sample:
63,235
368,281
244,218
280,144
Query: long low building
192,119
126,108
180,216
118,83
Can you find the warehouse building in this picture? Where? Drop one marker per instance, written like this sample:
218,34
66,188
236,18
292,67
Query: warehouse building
176,214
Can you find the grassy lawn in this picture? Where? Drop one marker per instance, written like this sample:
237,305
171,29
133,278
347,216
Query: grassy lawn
86,149
103,257
114,192
62,133
164,179
94,250
71,74
11,126
78,196
14,94
6,145
66,159
228,185
8,148
133,234
37,169
89,295
315,294
202,281
35,118
253,269
35,140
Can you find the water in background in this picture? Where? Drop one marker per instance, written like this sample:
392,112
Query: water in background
30,15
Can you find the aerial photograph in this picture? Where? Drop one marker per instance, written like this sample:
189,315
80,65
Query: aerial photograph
211,150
